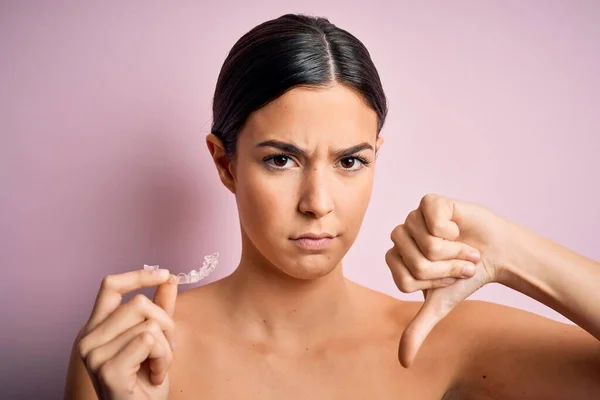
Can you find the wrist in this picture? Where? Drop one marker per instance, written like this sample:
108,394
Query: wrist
516,257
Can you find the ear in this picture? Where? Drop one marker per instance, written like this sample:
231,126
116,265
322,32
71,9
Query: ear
378,144
224,165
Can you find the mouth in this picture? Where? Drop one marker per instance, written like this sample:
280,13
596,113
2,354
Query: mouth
315,236
312,241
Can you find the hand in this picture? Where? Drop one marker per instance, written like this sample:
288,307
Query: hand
127,348
446,248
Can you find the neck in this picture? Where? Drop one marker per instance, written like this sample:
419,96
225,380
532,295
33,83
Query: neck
268,305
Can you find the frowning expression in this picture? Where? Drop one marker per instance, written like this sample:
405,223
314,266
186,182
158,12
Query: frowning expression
304,175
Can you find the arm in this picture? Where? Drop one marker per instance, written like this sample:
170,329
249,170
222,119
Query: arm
555,276
527,355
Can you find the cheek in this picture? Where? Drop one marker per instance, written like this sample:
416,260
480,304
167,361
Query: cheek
263,202
353,202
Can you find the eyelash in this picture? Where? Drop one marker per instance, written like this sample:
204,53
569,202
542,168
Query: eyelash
365,163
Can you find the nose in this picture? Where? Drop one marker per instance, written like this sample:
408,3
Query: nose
316,200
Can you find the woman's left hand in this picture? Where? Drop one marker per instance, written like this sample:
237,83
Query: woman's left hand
433,251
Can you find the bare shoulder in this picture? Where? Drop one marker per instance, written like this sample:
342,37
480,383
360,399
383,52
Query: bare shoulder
509,352
197,320
383,305
487,321
437,364
396,314
187,300
495,332
196,307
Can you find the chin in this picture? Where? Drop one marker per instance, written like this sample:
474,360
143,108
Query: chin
308,267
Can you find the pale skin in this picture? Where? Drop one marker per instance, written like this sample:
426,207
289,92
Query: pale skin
288,325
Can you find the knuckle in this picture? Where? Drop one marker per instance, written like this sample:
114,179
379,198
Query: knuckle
83,347
139,300
408,285
390,259
397,233
153,327
428,199
420,275
93,360
437,227
420,270
432,248
146,339
410,217
404,283
107,282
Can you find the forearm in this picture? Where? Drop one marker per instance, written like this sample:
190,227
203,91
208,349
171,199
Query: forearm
556,276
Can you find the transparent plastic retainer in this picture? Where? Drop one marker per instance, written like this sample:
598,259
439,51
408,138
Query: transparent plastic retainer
208,266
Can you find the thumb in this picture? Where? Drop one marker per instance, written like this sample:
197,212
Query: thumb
165,297
437,306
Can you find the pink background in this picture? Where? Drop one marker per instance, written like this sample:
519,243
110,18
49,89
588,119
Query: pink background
104,108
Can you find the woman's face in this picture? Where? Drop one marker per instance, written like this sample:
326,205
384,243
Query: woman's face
304,166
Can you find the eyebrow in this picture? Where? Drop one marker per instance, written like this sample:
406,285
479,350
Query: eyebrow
293,149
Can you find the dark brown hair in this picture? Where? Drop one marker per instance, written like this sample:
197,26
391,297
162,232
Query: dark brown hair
280,54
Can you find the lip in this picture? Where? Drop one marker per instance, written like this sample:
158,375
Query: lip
313,241
314,236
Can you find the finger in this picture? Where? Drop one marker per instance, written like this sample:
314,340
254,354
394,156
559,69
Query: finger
438,212
100,355
135,311
434,309
165,297
159,366
114,287
435,248
404,280
421,268
121,371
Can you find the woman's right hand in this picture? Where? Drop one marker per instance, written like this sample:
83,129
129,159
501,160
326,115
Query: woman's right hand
127,348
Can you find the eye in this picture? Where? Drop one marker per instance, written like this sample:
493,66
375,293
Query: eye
278,161
353,163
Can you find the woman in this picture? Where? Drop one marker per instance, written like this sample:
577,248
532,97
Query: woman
298,108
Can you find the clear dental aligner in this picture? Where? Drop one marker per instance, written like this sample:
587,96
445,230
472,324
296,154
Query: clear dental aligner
209,264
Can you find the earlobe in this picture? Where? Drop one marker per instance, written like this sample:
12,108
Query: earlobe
222,162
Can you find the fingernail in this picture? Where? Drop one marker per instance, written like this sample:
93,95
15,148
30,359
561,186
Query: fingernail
156,379
468,271
172,279
448,281
473,256
173,344
162,273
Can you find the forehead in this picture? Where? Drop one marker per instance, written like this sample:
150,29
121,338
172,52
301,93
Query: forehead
335,115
